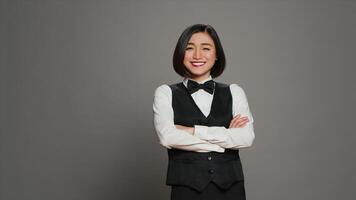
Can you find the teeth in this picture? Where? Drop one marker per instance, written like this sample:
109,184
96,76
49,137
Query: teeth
198,63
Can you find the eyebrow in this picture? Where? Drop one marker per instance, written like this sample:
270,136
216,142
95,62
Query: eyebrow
201,44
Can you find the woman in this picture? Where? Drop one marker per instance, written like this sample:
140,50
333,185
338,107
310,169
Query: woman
202,123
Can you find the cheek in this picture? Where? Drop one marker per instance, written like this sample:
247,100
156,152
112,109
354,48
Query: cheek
187,56
211,56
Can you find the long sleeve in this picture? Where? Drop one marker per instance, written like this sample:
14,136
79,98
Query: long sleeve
231,138
169,136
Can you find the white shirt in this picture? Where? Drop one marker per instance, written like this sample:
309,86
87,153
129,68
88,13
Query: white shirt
205,138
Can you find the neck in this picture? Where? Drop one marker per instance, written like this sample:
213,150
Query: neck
200,78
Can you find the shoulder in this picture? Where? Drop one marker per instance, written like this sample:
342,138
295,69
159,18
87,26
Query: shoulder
162,96
237,92
236,89
167,89
163,89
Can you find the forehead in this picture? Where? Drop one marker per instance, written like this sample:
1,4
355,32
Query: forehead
201,37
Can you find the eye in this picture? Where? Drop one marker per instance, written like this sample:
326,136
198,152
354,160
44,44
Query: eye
206,49
189,48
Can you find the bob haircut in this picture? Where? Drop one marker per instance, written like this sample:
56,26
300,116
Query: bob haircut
183,40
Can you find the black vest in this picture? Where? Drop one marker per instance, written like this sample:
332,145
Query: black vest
195,169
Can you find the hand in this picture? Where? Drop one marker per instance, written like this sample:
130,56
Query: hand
238,121
190,130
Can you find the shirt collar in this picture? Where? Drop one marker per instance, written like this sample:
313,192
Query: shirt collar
185,80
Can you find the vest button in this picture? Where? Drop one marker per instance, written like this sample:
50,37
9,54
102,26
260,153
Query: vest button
211,171
209,158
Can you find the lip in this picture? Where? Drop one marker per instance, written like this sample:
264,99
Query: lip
198,63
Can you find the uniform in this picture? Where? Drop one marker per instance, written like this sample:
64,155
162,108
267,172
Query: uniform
203,174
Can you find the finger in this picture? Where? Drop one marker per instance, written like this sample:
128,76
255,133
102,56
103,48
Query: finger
234,119
240,121
179,127
236,122
241,125
243,121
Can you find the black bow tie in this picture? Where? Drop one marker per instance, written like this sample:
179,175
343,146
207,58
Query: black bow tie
194,86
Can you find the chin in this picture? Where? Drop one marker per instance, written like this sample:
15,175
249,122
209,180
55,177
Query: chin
198,74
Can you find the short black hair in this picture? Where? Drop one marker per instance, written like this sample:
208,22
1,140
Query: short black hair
183,40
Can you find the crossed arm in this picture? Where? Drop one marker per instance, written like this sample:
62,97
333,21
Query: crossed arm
199,138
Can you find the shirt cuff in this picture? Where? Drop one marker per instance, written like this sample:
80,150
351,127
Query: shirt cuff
220,149
201,132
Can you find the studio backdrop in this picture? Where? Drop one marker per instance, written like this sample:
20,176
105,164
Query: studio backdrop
78,78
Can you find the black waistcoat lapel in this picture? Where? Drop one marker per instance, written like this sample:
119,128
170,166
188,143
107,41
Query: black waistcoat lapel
196,169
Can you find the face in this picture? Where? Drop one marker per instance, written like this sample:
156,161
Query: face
200,55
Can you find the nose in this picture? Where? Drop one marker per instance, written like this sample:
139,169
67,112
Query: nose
197,54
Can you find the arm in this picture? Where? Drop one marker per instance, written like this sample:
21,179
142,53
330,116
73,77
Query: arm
169,136
231,138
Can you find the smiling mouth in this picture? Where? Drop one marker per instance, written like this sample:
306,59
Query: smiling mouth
198,64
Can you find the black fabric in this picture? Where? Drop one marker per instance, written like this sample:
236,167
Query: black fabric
211,192
194,169
194,86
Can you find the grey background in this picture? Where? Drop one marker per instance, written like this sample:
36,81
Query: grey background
78,77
